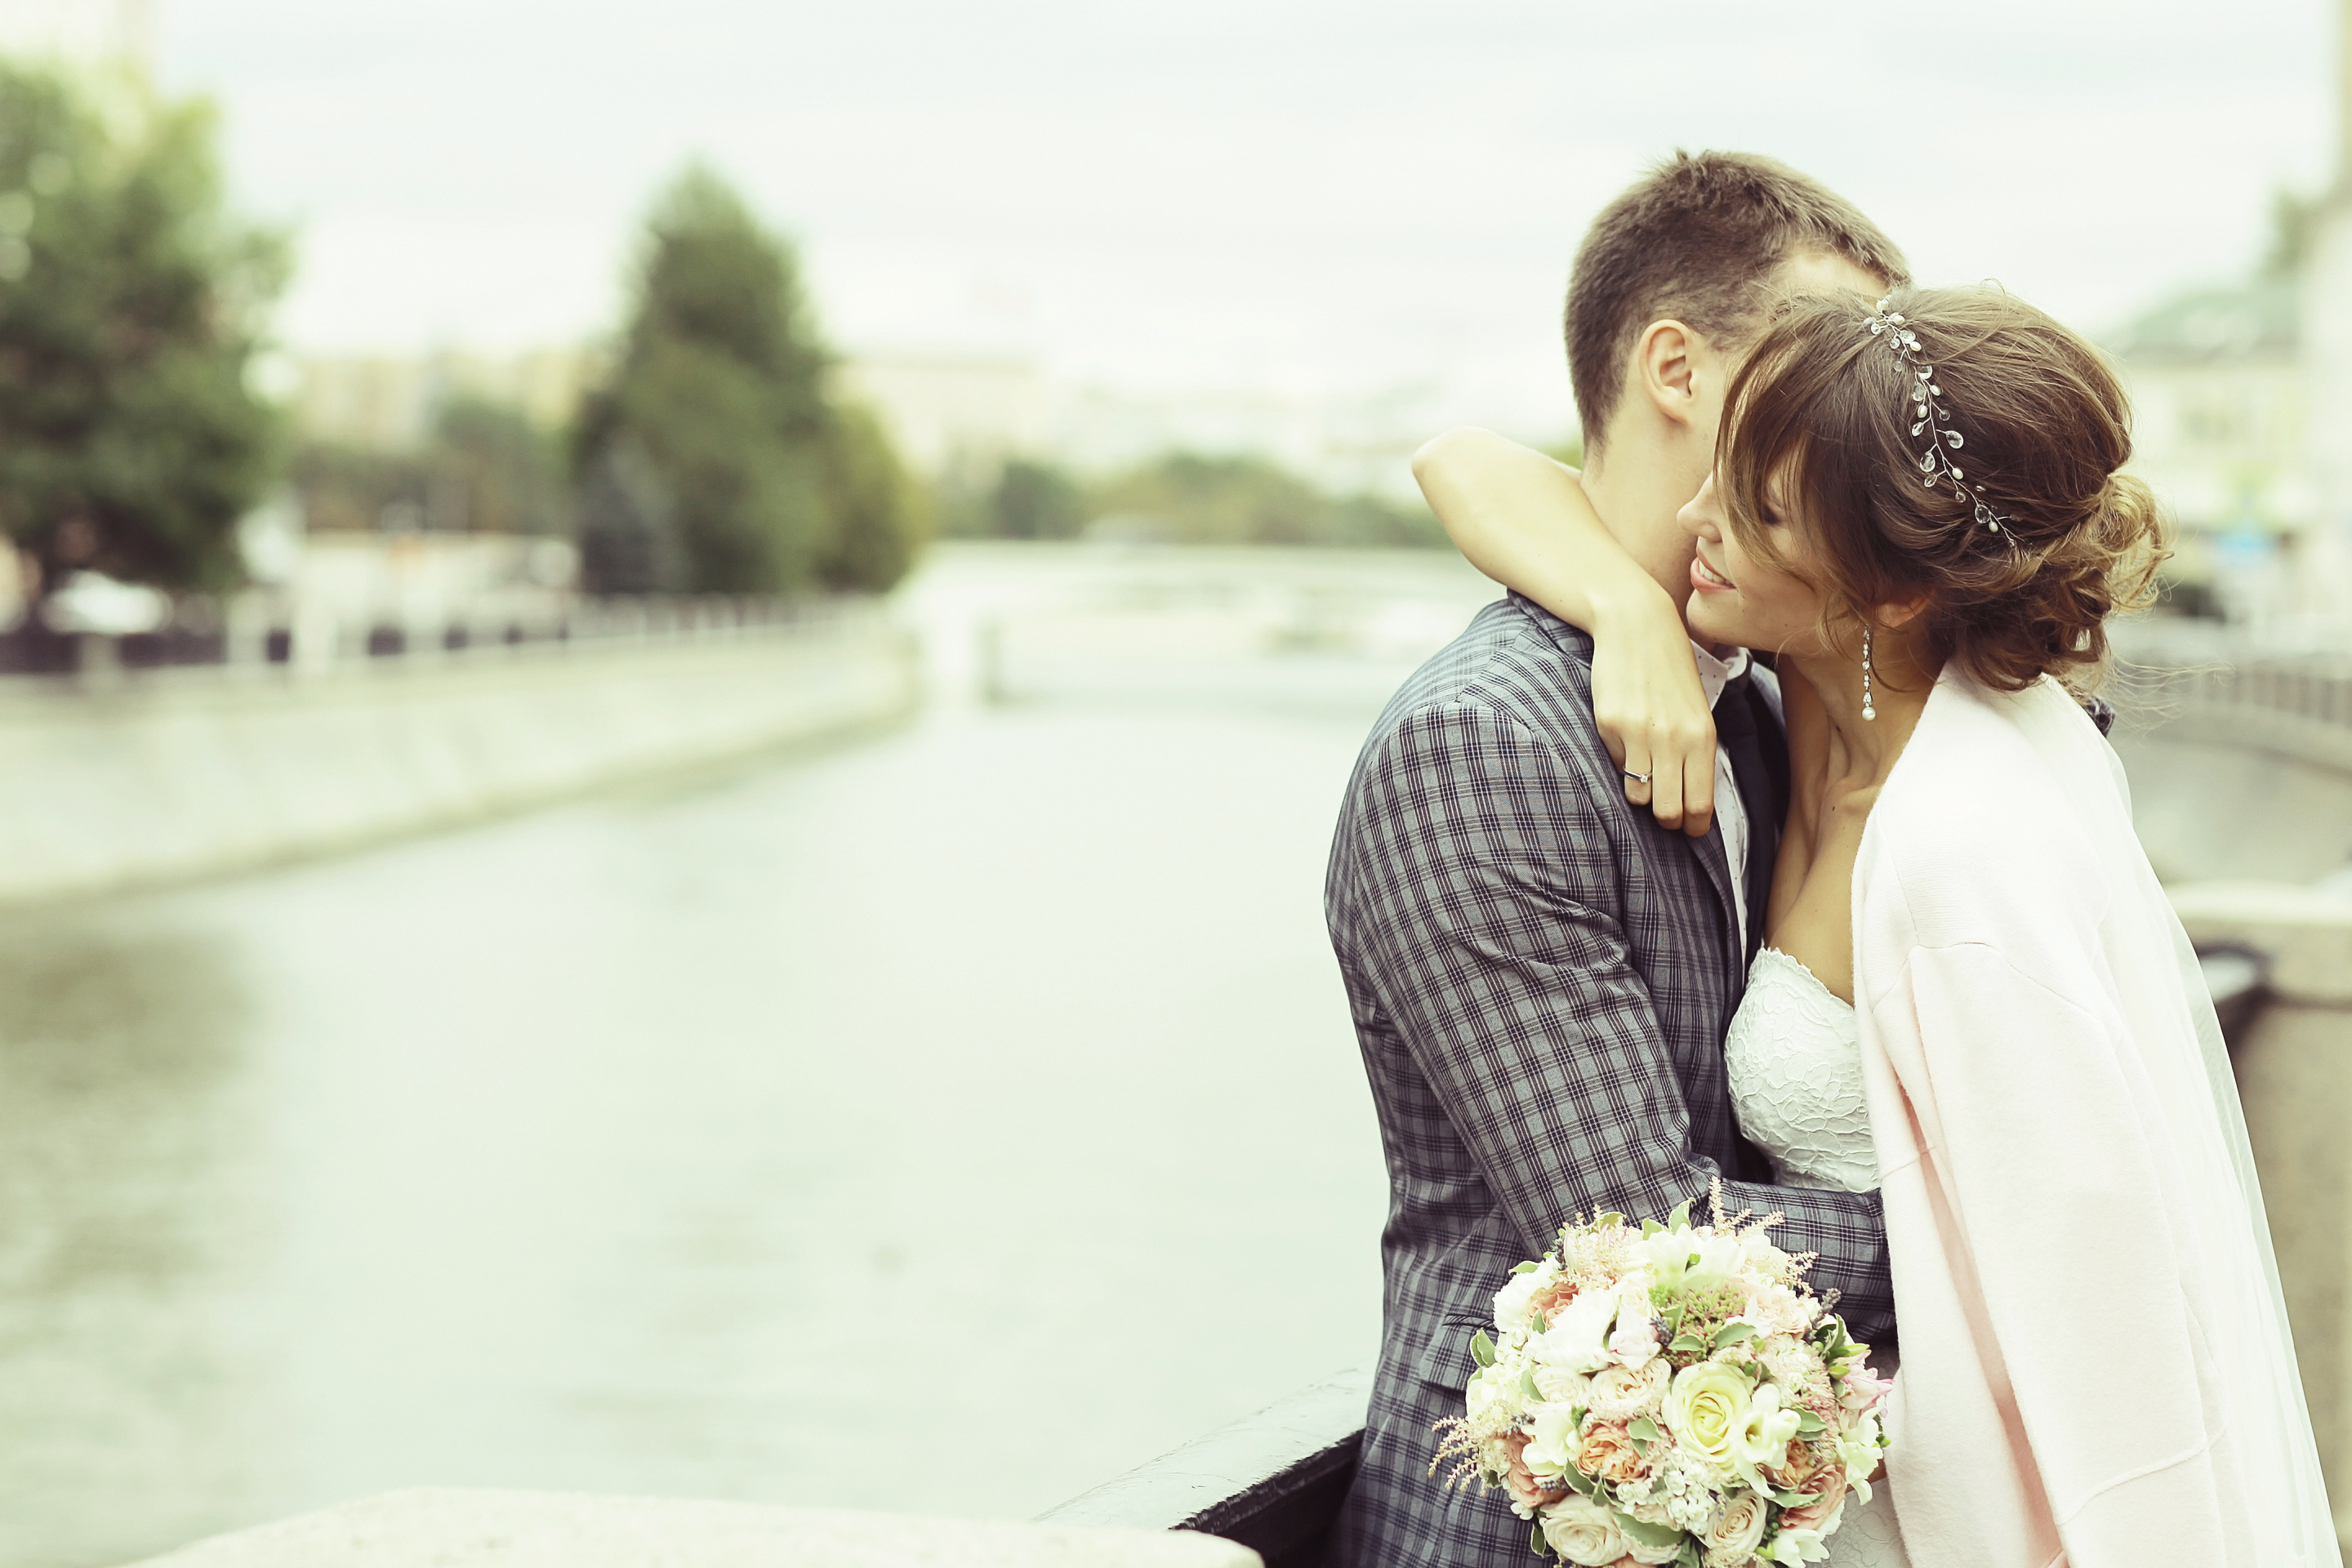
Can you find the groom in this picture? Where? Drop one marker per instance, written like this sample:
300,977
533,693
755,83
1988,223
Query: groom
1540,975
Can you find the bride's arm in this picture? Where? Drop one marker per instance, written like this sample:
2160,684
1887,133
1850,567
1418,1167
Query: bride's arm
1524,521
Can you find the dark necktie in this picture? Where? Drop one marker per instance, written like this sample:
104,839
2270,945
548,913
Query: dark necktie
1760,764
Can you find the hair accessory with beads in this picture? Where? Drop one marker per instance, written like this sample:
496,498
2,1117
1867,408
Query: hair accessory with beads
1928,414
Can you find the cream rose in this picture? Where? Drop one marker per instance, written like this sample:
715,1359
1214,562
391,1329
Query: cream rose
1705,1408
1620,1393
1635,1342
1583,1531
1738,1529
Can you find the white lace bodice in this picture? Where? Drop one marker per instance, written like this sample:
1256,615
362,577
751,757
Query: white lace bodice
1794,1055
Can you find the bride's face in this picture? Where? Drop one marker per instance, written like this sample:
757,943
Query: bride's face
1739,598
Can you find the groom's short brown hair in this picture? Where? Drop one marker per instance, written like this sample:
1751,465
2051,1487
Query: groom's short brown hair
1698,238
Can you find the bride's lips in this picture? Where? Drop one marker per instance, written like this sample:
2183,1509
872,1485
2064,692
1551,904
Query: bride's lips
1706,579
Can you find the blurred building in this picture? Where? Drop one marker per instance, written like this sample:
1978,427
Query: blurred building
2219,392
2323,577
388,402
952,414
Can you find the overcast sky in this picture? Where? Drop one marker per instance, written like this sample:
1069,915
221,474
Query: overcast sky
1304,195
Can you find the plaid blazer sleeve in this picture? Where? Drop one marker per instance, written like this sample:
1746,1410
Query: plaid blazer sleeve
1491,915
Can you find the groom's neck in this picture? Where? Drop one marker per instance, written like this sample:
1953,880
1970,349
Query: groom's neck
1640,494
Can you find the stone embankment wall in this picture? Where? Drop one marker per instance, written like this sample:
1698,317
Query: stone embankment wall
175,773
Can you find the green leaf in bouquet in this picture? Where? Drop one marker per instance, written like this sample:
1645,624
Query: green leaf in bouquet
1540,1324
1690,1557
1795,1499
1583,1483
1527,1389
1808,1423
1536,1541
1651,1228
1644,1431
1612,1218
1686,1345
1732,1333
1482,1348
1523,1268
1652,1535
1675,1221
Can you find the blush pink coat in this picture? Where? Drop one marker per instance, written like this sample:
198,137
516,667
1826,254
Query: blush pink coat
2096,1369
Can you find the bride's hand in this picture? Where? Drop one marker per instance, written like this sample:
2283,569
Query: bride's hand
1651,711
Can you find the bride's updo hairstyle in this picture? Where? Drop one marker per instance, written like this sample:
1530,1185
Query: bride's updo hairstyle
1824,406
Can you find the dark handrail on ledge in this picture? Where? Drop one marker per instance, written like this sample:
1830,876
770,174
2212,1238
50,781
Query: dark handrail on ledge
1272,1483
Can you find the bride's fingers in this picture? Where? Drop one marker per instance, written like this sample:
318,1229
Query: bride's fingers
1698,792
1636,775
1666,788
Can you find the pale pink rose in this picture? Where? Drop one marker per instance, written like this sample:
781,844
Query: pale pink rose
1860,1391
1828,1486
1635,1342
1805,1461
1608,1453
1620,1393
1521,1482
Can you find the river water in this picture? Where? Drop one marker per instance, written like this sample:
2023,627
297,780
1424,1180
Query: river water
945,1119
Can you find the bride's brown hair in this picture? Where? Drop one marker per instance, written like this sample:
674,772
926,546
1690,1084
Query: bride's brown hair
1823,405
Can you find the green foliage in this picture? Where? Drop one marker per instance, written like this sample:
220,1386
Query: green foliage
2294,218
714,457
880,517
130,307
1195,500
1035,500
486,469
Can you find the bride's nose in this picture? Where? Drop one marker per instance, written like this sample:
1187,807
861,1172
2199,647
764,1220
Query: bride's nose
1702,515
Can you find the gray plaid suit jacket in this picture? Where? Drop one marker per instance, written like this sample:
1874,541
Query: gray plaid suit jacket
1541,978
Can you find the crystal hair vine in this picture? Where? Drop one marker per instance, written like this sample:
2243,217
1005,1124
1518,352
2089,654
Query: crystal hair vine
1928,414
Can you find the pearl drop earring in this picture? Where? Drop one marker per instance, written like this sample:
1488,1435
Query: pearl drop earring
1869,710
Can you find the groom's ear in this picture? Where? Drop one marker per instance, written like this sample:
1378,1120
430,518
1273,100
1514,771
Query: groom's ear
1666,364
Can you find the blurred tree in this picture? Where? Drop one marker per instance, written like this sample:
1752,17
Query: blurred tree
1035,500
485,468
880,517
1195,499
2293,216
721,392
131,307
503,468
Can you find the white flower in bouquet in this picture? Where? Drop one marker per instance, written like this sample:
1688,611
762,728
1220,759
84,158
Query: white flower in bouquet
1574,1340
1794,1547
1551,1447
1762,1442
1735,1531
1515,1302
1584,1532
1858,1447
1635,1342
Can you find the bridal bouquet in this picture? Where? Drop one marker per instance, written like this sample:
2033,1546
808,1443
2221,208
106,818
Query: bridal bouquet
1669,1395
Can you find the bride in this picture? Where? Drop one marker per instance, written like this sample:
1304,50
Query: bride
1973,994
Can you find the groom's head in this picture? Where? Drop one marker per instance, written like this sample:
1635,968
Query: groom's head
1673,284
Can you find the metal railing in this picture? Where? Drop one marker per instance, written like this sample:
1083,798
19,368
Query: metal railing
1272,1483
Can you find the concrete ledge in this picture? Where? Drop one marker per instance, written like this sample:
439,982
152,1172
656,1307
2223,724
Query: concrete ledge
453,1529
200,772
2305,933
